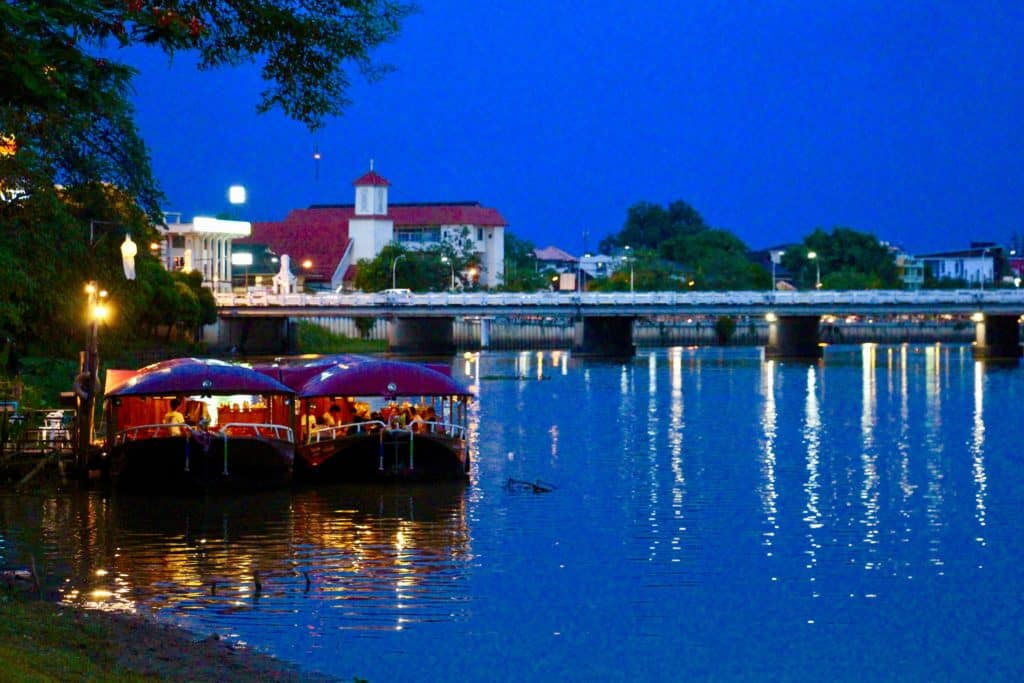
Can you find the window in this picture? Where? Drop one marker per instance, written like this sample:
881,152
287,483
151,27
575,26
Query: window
418,235
479,234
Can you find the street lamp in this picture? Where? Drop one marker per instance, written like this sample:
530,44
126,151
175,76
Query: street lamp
394,263
445,259
88,378
813,255
630,261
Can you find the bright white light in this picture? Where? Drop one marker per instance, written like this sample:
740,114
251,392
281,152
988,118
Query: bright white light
206,224
236,194
241,258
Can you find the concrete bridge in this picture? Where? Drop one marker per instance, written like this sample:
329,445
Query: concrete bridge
423,322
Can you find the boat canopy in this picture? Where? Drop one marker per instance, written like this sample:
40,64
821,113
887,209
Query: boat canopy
191,376
388,378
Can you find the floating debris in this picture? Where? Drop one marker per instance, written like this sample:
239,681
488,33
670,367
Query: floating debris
537,486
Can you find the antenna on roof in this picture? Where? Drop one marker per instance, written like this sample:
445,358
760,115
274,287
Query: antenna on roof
371,164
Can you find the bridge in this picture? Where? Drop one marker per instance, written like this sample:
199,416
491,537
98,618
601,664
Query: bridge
604,320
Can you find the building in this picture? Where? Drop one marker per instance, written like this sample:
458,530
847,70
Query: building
974,266
326,241
205,245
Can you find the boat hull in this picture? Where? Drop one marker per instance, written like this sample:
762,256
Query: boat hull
186,465
382,457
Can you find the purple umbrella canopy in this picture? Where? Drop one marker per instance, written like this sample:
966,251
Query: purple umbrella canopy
192,376
371,377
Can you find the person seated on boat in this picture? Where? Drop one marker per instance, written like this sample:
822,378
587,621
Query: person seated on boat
416,422
430,415
174,417
388,411
309,424
332,417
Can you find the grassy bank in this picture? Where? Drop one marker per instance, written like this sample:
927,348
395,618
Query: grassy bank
41,641
315,339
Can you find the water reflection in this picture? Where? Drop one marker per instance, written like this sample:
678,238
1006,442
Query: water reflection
388,557
978,446
769,417
869,456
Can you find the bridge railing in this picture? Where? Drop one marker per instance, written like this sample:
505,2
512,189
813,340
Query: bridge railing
959,297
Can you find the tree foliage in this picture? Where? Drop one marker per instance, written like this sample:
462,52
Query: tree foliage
71,155
649,225
521,270
420,270
845,258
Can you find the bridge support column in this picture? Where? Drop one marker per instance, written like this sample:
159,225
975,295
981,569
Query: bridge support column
605,336
485,333
793,337
256,335
426,335
997,337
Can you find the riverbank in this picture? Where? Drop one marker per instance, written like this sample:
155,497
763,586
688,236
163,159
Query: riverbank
43,641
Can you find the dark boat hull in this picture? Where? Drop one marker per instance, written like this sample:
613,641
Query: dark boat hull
185,465
382,458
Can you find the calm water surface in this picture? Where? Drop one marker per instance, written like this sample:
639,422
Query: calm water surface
715,516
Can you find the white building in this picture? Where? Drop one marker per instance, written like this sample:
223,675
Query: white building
330,239
976,265
203,245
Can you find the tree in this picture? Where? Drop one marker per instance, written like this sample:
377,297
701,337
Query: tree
521,271
68,136
846,259
649,225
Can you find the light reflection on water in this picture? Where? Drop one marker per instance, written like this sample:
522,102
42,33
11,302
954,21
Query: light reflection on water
717,515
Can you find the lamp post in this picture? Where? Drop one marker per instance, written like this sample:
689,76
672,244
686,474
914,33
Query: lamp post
630,261
394,264
981,274
445,259
813,255
87,380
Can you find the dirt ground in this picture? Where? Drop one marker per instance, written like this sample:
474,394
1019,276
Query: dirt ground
163,651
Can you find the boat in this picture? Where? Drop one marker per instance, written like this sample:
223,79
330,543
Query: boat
193,425
394,421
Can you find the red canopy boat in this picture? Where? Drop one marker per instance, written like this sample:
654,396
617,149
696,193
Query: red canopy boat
367,419
192,425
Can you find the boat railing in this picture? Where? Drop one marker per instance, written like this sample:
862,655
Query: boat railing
169,429
151,431
259,429
444,428
350,429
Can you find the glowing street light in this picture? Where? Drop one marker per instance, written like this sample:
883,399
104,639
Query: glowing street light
87,380
236,194
394,264
630,261
813,255
445,259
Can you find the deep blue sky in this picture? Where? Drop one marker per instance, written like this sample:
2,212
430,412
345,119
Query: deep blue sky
901,119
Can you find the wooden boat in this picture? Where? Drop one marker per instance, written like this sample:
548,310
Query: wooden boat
371,441
232,428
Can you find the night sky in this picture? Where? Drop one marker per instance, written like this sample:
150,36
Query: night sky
771,119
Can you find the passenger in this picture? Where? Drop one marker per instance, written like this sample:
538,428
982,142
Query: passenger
174,417
309,423
416,422
331,417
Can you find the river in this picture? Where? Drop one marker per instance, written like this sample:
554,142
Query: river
711,515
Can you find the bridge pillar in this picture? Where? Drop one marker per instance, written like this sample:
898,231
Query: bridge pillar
605,336
997,337
256,335
485,333
793,337
427,335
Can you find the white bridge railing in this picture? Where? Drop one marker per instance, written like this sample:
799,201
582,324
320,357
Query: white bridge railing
958,297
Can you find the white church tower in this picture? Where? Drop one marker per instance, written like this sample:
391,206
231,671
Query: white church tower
370,229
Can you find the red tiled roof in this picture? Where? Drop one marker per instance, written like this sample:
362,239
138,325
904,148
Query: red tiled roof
371,178
320,233
321,237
